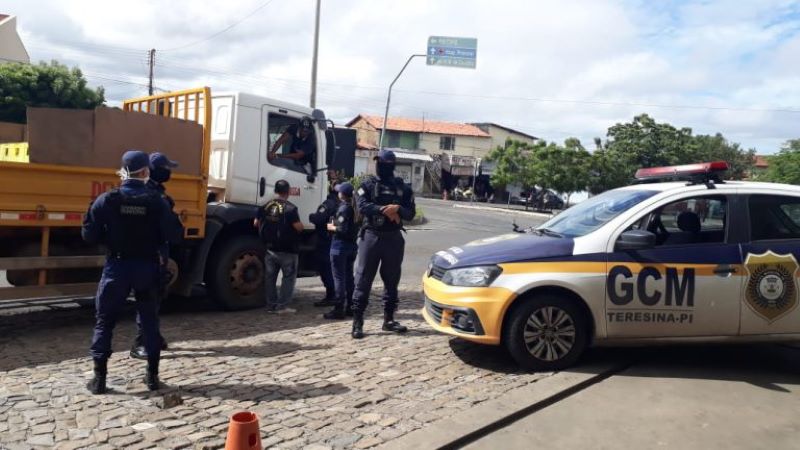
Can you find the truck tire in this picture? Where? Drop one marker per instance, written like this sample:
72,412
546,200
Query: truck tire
546,333
235,273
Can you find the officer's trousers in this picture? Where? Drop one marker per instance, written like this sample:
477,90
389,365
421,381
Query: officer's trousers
343,255
384,249
119,278
323,259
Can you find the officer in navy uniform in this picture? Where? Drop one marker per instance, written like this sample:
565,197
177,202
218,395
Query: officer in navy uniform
132,222
322,256
343,253
161,173
384,202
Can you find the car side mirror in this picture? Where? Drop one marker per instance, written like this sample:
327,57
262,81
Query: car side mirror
635,240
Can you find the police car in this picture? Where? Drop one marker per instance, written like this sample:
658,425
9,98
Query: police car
695,259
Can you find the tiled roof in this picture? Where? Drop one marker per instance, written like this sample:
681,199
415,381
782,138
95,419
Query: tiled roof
761,162
422,126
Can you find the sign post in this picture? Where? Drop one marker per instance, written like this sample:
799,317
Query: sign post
452,51
442,51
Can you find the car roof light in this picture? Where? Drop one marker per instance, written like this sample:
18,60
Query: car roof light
706,173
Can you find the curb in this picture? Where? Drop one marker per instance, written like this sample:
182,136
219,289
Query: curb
504,210
442,433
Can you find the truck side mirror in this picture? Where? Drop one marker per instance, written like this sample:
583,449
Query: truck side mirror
635,240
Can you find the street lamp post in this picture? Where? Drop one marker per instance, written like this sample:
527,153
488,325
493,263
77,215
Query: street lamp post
313,101
389,98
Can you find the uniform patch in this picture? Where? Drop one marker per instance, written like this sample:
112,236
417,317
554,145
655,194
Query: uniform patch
341,219
771,289
321,209
361,191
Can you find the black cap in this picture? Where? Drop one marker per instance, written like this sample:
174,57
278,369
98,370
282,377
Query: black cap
386,156
305,123
345,188
282,187
158,159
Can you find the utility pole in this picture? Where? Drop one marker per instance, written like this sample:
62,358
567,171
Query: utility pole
151,63
314,60
389,98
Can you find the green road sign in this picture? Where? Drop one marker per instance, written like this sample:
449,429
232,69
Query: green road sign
452,51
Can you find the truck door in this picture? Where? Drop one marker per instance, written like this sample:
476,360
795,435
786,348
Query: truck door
308,184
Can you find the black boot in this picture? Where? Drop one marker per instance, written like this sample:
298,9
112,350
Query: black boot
348,310
97,385
163,343
151,377
337,313
327,301
389,323
138,352
358,326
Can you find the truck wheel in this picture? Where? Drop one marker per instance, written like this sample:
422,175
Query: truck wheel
546,333
235,274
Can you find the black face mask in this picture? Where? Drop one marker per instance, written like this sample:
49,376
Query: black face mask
385,171
160,174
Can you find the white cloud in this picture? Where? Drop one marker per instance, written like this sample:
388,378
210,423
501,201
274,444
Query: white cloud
627,53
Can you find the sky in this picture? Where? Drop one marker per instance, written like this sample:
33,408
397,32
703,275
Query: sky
554,69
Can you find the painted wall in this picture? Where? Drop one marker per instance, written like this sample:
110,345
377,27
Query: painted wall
465,145
499,136
11,46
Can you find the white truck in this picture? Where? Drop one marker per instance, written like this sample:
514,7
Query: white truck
40,221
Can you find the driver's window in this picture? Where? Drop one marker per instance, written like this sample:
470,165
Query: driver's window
696,220
286,128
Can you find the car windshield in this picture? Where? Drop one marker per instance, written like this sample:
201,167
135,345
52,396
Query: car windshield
595,212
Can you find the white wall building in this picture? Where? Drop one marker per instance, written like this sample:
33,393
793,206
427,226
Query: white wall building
11,46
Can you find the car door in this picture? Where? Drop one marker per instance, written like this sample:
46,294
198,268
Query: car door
684,285
769,301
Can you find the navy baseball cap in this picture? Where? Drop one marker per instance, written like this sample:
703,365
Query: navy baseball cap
345,188
158,159
135,160
386,156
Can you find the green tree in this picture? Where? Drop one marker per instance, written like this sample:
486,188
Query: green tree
564,169
43,85
717,148
647,143
785,166
509,162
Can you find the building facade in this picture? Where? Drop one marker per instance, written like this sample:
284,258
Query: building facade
11,46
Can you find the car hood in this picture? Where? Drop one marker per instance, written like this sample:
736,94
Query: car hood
506,248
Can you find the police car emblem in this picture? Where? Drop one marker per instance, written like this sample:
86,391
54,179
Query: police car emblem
771,289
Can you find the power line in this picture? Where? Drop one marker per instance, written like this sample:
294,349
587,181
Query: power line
229,27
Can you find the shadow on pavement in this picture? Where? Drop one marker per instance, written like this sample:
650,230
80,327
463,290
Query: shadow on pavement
261,392
257,351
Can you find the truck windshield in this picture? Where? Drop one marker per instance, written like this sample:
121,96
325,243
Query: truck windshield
595,212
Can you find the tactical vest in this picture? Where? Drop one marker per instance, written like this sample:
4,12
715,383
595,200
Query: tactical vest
134,228
385,194
276,232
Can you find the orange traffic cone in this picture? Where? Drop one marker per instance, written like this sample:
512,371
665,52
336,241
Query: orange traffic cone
243,432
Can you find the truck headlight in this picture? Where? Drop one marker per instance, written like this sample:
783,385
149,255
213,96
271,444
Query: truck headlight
479,276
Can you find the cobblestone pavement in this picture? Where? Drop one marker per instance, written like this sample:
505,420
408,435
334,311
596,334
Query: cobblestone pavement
310,383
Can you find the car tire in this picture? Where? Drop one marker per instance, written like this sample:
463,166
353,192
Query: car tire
546,333
235,275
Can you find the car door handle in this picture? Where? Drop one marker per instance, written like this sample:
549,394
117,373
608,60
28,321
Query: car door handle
724,270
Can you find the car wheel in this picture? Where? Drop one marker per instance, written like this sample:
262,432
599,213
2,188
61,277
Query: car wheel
546,333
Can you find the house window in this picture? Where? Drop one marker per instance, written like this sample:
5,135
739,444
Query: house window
417,170
447,143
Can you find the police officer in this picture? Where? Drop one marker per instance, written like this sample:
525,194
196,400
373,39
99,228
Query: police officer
320,219
132,222
161,173
343,252
384,202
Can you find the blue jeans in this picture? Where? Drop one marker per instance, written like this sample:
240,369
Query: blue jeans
343,255
286,263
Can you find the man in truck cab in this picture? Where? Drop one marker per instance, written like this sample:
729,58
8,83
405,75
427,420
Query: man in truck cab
302,150
161,173
132,222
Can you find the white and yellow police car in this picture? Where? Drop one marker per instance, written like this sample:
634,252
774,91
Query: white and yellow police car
697,259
